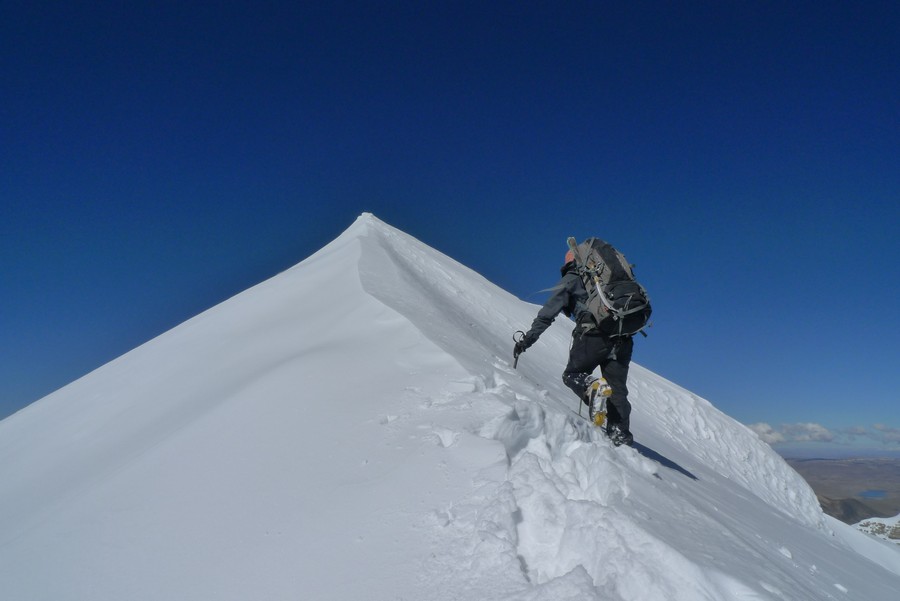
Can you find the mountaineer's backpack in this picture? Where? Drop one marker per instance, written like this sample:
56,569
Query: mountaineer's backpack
617,302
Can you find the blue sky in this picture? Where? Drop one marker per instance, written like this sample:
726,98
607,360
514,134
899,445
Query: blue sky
161,157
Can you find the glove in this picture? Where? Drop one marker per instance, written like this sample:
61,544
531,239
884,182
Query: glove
522,345
519,348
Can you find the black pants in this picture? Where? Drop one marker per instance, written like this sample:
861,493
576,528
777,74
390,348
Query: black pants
613,356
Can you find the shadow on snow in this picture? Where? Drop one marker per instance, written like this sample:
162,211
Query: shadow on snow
663,461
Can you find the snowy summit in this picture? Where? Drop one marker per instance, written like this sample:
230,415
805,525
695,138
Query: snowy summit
353,428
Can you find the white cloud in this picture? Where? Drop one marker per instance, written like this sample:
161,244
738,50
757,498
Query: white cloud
886,434
767,433
813,432
806,432
855,431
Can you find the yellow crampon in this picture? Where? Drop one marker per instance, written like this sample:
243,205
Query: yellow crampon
600,392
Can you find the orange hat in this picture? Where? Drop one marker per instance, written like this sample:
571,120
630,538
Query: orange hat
570,256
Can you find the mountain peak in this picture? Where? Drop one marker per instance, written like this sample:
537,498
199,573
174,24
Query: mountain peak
365,221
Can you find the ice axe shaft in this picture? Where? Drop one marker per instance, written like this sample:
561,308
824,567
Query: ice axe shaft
516,353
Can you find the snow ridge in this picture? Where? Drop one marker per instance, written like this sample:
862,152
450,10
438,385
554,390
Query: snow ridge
353,428
473,320
566,480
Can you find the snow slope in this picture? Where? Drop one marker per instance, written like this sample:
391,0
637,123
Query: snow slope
352,428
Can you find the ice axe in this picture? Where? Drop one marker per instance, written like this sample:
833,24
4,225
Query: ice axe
516,351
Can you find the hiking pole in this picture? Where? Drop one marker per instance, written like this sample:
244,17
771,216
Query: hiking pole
516,351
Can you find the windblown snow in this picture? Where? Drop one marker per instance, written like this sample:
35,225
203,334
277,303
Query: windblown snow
353,429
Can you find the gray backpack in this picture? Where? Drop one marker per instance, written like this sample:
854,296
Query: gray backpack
617,302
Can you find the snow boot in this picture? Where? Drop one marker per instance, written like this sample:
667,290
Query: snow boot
618,436
595,396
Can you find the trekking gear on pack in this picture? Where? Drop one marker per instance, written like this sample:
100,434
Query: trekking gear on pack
618,304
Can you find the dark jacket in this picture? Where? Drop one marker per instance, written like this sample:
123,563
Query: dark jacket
569,297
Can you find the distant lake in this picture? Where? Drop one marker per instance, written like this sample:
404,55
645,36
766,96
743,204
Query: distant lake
872,494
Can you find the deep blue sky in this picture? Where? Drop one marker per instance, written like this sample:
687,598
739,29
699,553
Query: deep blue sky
159,158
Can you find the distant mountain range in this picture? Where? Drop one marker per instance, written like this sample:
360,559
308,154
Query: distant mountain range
849,511
853,490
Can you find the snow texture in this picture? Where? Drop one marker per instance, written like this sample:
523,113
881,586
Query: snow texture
353,429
